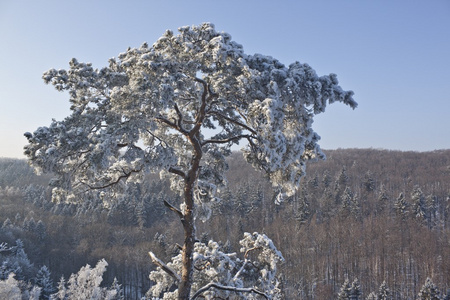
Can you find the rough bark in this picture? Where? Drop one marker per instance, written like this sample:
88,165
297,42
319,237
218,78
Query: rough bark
188,219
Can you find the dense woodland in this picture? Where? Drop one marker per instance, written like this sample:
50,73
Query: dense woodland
365,222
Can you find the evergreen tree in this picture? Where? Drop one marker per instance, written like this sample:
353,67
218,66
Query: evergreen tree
18,263
429,291
86,285
43,280
345,291
141,214
369,182
431,206
383,292
314,183
418,204
355,290
447,296
115,292
326,179
17,219
383,200
341,181
60,290
303,212
29,224
346,203
152,110
9,288
355,207
41,230
401,206
7,223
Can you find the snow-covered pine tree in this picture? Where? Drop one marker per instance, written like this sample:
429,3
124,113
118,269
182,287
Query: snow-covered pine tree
431,206
17,262
346,202
345,291
9,288
418,204
177,107
223,275
429,291
401,206
383,200
7,223
40,230
355,290
383,292
303,210
45,282
86,285
369,182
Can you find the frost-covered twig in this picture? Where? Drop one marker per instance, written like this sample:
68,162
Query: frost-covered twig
163,266
4,247
228,288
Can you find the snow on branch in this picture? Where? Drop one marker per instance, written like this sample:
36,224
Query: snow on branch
4,247
227,288
164,267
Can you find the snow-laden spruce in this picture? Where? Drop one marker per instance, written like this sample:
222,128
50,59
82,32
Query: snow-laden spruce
177,107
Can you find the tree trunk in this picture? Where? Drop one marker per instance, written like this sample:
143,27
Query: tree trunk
188,221
184,287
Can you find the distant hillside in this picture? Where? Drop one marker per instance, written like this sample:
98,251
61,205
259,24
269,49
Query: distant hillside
374,215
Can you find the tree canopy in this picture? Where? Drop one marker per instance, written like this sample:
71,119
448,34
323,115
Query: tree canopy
152,106
177,107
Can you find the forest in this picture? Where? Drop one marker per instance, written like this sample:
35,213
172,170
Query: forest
365,224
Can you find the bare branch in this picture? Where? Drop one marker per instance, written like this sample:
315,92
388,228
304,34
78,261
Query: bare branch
245,262
164,120
177,172
249,250
173,208
238,137
164,267
180,118
157,137
228,288
202,110
233,121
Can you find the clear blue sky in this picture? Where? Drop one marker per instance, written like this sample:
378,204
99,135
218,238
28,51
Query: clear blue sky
395,56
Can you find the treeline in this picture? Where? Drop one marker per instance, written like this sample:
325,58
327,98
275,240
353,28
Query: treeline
376,216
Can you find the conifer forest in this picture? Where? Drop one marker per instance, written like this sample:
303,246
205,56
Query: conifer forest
365,224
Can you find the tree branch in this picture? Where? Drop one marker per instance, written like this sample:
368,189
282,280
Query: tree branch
171,124
177,172
233,121
180,118
125,175
173,208
202,110
245,262
164,267
238,137
227,288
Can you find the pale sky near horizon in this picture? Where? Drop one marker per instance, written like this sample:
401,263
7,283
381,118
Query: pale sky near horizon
395,56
